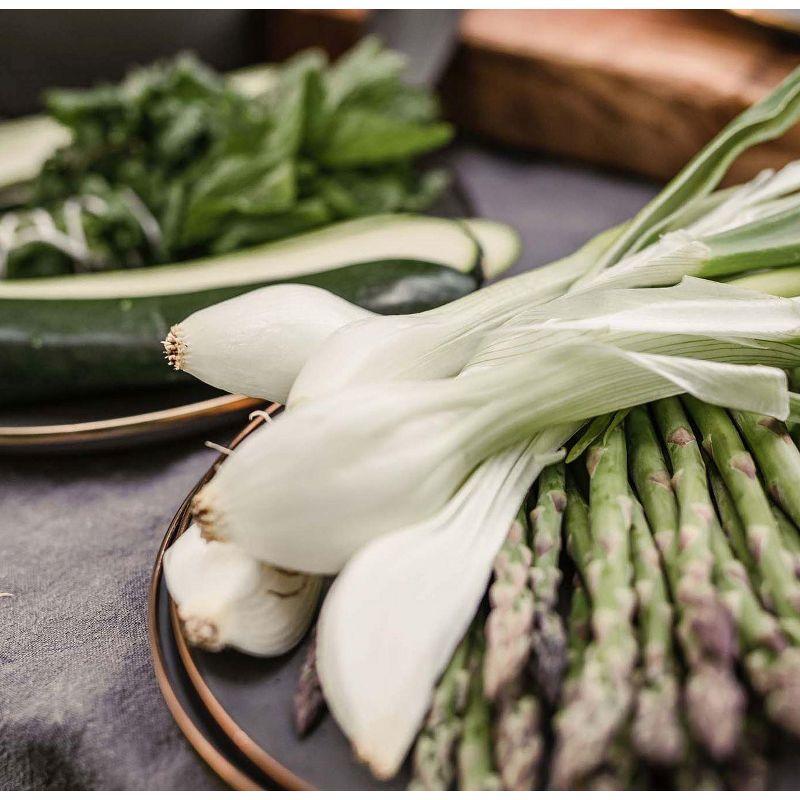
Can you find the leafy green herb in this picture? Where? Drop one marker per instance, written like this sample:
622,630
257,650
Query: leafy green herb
176,162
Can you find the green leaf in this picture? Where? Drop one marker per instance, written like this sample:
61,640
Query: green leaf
247,231
365,65
363,138
763,121
594,429
237,185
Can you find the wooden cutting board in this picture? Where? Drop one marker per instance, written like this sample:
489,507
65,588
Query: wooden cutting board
638,90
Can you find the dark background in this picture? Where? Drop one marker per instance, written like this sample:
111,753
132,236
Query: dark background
40,49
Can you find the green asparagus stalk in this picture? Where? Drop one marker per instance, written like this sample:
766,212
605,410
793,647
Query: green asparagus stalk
757,627
777,456
733,528
713,698
618,771
434,752
790,536
578,632
509,630
589,722
510,621
519,744
656,733
735,464
548,644
475,768
576,524
653,484
772,667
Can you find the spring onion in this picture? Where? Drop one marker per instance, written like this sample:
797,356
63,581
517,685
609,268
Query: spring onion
225,598
399,456
256,343
432,577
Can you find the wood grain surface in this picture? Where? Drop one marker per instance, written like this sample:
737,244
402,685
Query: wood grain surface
637,90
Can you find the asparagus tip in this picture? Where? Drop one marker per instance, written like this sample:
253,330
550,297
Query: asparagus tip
714,626
550,649
715,704
519,746
657,732
308,702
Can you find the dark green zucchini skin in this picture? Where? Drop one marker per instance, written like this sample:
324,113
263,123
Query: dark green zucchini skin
58,348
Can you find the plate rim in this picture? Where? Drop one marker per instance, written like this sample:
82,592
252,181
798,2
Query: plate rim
131,429
220,765
273,768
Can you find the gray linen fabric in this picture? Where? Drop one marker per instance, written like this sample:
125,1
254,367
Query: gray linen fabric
79,705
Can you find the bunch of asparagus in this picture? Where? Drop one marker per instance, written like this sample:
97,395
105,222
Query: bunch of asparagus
680,656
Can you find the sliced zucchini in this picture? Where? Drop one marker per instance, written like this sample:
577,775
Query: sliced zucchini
25,144
394,237
74,334
500,245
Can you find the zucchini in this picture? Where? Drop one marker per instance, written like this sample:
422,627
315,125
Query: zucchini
500,245
78,333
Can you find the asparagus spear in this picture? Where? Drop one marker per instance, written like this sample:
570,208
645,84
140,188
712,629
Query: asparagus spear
656,732
434,752
510,622
588,723
733,527
308,701
653,484
777,456
714,700
579,539
738,471
790,536
548,642
618,769
475,769
772,666
578,631
519,744
518,739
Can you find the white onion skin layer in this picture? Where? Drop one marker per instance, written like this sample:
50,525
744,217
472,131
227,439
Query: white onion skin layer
257,343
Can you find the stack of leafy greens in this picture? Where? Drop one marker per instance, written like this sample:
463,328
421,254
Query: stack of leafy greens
176,162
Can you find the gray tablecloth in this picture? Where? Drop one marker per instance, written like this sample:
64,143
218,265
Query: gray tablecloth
79,705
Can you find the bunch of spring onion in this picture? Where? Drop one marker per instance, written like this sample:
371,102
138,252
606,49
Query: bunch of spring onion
409,443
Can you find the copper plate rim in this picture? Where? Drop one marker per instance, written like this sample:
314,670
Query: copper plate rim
229,773
260,757
263,760
33,437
